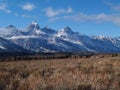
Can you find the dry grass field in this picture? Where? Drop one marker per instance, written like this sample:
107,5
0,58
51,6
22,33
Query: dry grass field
94,73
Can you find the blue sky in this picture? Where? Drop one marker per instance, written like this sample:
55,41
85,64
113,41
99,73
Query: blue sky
90,17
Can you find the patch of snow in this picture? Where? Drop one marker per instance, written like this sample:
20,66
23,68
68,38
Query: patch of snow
18,37
2,47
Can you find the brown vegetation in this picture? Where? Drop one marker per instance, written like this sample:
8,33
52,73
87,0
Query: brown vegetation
95,73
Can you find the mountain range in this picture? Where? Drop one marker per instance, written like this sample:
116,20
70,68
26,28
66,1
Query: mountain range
37,39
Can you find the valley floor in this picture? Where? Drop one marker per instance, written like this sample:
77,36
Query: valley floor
94,73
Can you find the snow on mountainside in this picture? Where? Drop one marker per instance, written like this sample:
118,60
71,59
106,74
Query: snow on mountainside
49,40
10,31
34,29
67,34
8,46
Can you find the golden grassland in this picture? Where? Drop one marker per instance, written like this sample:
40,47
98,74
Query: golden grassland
94,73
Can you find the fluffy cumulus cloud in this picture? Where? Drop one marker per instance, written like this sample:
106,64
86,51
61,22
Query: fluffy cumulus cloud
28,6
50,12
4,7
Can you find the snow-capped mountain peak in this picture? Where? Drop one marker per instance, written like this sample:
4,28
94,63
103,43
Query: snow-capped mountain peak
67,30
46,39
34,26
34,29
11,27
65,33
34,23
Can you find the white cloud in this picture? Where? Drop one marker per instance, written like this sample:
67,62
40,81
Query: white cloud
28,6
114,7
81,17
97,18
4,7
69,10
16,14
28,16
50,12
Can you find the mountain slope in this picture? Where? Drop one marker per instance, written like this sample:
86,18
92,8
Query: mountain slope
8,46
10,31
65,40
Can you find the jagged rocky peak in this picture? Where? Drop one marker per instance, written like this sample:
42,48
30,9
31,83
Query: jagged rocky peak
46,27
11,27
101,37
48,30
34,25
66,30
